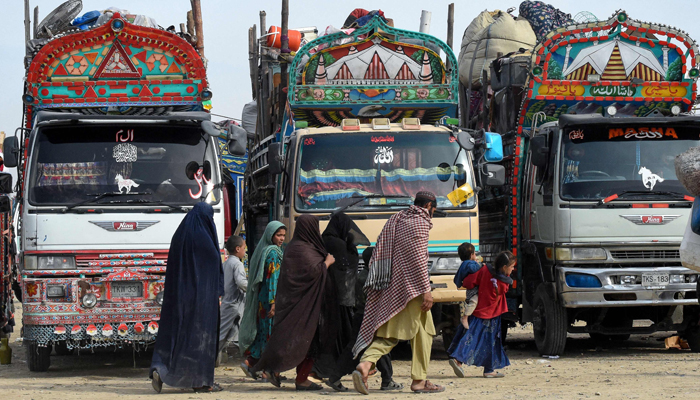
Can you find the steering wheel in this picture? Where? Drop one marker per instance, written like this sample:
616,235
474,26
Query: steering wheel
601,173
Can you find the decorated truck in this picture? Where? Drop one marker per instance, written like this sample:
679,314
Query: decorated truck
592,207
116,147
362,130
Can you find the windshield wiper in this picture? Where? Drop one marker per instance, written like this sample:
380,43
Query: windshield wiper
357,199
101,196
625,193
161,203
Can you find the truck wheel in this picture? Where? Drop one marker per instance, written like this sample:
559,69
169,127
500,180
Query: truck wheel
62,349
692,336
550,324
38,357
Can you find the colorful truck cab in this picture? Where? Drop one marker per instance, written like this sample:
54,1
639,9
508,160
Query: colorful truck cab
363,134
116,148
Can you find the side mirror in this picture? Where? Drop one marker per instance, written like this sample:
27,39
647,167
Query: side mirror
210,129
5,183
493,175
274,158
10,149
237,140
494,147
539,151
5,204
465,141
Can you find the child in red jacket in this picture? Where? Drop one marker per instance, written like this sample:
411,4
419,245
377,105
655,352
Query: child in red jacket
481,345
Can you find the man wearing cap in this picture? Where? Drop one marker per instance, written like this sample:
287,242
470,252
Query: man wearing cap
398,296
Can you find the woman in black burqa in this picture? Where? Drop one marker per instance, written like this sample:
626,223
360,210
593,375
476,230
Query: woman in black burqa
303,316
185,350
341,238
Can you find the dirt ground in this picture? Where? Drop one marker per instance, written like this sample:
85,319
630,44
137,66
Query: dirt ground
641,368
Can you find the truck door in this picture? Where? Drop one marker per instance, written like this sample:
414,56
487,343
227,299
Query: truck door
542,197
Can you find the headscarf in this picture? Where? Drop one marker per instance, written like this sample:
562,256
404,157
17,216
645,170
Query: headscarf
256,270
187,342
300,297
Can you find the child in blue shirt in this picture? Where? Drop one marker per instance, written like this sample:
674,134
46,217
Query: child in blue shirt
469,266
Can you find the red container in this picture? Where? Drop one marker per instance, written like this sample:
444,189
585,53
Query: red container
274,38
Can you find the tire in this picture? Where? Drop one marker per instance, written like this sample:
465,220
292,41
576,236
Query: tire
38,358
692,336
62,349
549,323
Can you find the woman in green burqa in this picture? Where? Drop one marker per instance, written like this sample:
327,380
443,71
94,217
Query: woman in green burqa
263,273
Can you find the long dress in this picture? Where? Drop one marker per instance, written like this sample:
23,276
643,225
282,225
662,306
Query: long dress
187,342
266,299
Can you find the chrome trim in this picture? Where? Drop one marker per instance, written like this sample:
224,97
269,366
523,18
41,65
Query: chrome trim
109,225
595,297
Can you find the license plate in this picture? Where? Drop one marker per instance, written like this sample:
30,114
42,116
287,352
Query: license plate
655,280
127,289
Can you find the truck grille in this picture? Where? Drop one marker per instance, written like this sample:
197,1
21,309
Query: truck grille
651,254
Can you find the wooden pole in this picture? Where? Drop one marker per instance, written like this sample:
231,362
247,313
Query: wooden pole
263,25
284,50
36,20
190,24
450,29
197,14
27,21
182,28
252,45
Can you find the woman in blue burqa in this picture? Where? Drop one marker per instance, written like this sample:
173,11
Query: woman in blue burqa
185,350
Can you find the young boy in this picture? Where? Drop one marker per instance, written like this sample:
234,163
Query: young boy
469,266
233,302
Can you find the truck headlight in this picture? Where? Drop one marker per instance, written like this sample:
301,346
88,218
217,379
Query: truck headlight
56,262
580,254
447,264
628,279
677,279
583,280
89,300
159,298
55,291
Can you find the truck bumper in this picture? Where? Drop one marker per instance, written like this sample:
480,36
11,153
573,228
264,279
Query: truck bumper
613,293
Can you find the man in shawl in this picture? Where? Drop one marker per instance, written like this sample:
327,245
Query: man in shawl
398,296
300,297
186,346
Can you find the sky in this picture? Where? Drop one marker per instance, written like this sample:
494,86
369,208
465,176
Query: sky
226,24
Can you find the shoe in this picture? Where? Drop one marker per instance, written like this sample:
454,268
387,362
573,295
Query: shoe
359,382
156,382
457,368
393,386
247,371
337,385
430,388
494,375
273,378
312,386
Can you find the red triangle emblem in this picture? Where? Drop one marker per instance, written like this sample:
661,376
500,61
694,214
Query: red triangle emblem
60,70
117,64
141,56
90,92
145,92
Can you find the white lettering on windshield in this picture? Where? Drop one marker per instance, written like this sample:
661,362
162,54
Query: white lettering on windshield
125,152
383,155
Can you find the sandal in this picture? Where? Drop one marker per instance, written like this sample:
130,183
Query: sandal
337,385
156,382
312,386
273,378
359,382
494,375
430,388
393,386
457,368
247,371
208,389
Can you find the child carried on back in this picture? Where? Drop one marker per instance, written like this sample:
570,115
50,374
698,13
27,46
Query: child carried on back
469,266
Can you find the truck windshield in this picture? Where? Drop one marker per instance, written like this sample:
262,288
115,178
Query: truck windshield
147,162
397,164
599,161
